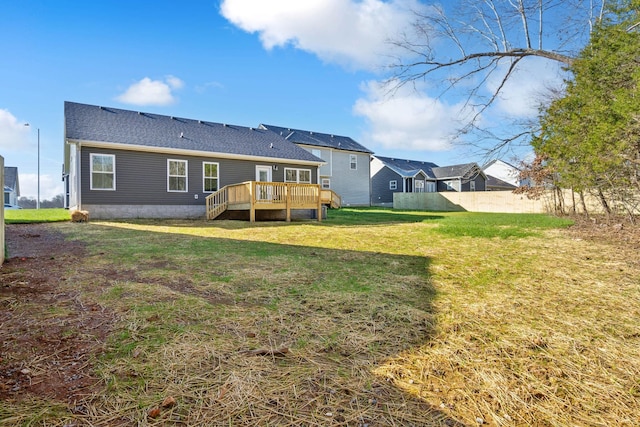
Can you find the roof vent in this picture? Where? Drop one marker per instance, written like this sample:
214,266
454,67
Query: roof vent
200,121
181,134
139,113
250,128
101,107
331,136
271,145
224,125
173,118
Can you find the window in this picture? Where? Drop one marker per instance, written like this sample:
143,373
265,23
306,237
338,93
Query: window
177,175
472,186
431,187
103,171
297,175
393,185
326,183
210,177
419,186
353,162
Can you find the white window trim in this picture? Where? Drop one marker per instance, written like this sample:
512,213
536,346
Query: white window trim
186,175
204,177
353,160
91,172
297,181
393,184
472,185
325,183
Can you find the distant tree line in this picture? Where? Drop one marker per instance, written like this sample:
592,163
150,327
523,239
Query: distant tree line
31,203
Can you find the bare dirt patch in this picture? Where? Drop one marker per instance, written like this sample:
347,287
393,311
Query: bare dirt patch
49,335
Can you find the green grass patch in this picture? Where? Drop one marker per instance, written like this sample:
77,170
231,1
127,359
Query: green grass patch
26,216
489,225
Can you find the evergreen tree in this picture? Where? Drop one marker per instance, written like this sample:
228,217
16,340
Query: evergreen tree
590,137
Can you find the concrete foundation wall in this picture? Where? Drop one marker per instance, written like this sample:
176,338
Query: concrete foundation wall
143,211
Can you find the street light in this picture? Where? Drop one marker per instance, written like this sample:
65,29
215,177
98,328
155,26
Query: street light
38,199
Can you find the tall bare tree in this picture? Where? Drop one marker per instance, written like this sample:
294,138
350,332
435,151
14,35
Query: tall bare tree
467,42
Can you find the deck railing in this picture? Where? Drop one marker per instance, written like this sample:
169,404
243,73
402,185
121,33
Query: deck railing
255,195
331,198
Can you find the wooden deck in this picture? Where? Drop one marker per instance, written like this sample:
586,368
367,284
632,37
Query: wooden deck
255,195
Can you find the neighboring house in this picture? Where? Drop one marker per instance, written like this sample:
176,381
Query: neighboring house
464,177
11,185
391,175
496,184
347,167
504,172
124,164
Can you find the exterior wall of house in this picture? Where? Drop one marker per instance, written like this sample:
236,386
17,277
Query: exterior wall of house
448,185
381,194
504,171
461,185
480,184
141,184
353,186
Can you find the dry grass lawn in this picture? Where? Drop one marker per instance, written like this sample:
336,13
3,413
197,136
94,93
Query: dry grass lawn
395,320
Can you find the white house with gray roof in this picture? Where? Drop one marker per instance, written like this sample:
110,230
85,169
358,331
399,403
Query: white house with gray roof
346,170
131,164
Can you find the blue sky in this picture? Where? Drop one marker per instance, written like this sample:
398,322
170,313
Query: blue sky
313,65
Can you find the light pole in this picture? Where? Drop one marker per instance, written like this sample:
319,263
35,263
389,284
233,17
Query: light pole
38,199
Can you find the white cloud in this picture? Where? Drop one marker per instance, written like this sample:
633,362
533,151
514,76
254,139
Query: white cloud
524,90
209,85
50,186
408,120
152,92
14,136
348,32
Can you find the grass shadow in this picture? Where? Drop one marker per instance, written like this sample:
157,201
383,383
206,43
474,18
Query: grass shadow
337,312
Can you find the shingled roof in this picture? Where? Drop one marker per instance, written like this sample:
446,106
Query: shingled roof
408,168
317,139
455,171
91,123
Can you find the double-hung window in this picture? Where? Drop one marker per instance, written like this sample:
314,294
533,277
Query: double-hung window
210,176
103,171
302,176
177,175
393,185
353,162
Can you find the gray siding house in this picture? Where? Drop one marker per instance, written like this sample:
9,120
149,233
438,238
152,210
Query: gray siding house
347,163
390,175
129,164
11,186
464,177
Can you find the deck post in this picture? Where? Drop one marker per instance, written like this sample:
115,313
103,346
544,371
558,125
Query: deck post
319,203
252,201
288,201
